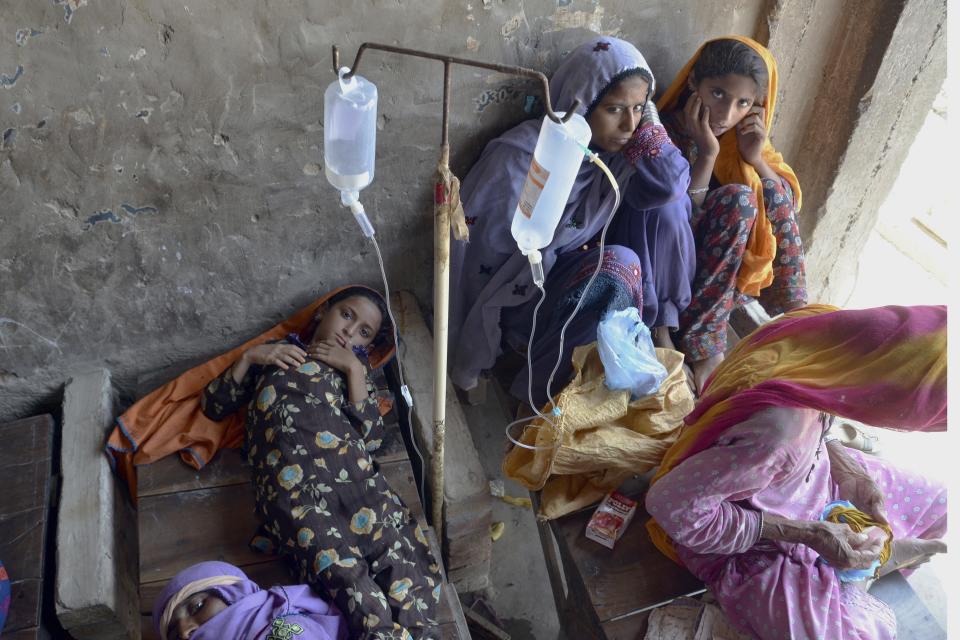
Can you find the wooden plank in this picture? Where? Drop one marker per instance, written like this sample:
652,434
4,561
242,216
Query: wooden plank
21,543
180,529
465,486
914,620
171,474
28,438
26,596
393,449
96,585
551,556
25,470
400,478
747,318
630,628
222,521
631,577
33,633
146,627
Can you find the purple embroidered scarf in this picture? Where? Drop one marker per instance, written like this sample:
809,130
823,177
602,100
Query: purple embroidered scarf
488,273
252,612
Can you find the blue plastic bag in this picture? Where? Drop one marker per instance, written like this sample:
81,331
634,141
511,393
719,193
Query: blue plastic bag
628,356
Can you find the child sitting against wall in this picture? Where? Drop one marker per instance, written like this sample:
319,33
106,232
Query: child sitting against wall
312,422
745,198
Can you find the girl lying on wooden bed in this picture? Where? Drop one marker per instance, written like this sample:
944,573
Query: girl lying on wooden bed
312,422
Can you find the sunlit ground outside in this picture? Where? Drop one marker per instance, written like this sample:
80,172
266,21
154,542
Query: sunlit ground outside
905,262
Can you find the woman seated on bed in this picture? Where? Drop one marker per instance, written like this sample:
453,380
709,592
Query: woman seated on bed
739,497
312,422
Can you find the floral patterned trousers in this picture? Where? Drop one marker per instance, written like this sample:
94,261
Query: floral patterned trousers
721,231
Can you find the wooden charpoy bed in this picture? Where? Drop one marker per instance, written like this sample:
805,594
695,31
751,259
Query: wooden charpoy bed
186,516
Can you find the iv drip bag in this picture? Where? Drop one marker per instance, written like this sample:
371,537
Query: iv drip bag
349,132
553,169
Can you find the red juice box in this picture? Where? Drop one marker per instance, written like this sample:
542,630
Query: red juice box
611,518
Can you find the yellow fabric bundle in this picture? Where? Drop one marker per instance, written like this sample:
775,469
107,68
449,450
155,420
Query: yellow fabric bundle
602,437
860,521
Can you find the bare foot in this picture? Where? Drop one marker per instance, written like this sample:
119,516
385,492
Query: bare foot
911,552
661,338
703,368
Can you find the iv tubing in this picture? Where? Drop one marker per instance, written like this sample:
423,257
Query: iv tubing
533,331
595,159
404,390
350,200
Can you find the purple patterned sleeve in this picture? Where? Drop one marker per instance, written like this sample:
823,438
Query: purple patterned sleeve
662,173
696,503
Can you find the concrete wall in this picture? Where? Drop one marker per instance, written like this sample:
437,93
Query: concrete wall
161,187
884,64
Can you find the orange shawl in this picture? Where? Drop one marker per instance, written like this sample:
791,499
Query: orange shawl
169,420
756,270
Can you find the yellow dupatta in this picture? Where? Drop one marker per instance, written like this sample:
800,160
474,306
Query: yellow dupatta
756,270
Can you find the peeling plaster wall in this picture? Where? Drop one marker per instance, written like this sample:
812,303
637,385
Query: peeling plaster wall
161,186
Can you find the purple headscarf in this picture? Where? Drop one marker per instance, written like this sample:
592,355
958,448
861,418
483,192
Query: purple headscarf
252,611
488,273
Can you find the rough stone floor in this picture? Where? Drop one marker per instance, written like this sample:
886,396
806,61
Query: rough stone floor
520,593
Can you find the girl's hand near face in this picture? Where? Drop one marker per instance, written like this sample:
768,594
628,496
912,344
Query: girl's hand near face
751,136
695,122
280,354
340,358
345,361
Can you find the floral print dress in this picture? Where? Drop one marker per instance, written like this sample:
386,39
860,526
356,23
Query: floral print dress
322,501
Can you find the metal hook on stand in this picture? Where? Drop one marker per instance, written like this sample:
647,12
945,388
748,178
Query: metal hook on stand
448,60
444,203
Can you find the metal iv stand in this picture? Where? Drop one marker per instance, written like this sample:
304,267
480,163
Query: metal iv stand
446,200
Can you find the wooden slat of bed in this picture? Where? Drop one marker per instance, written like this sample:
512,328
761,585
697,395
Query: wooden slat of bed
216,523
25,473
171,475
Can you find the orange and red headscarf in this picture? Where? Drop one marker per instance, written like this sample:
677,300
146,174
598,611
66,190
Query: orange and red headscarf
168,420
756,270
